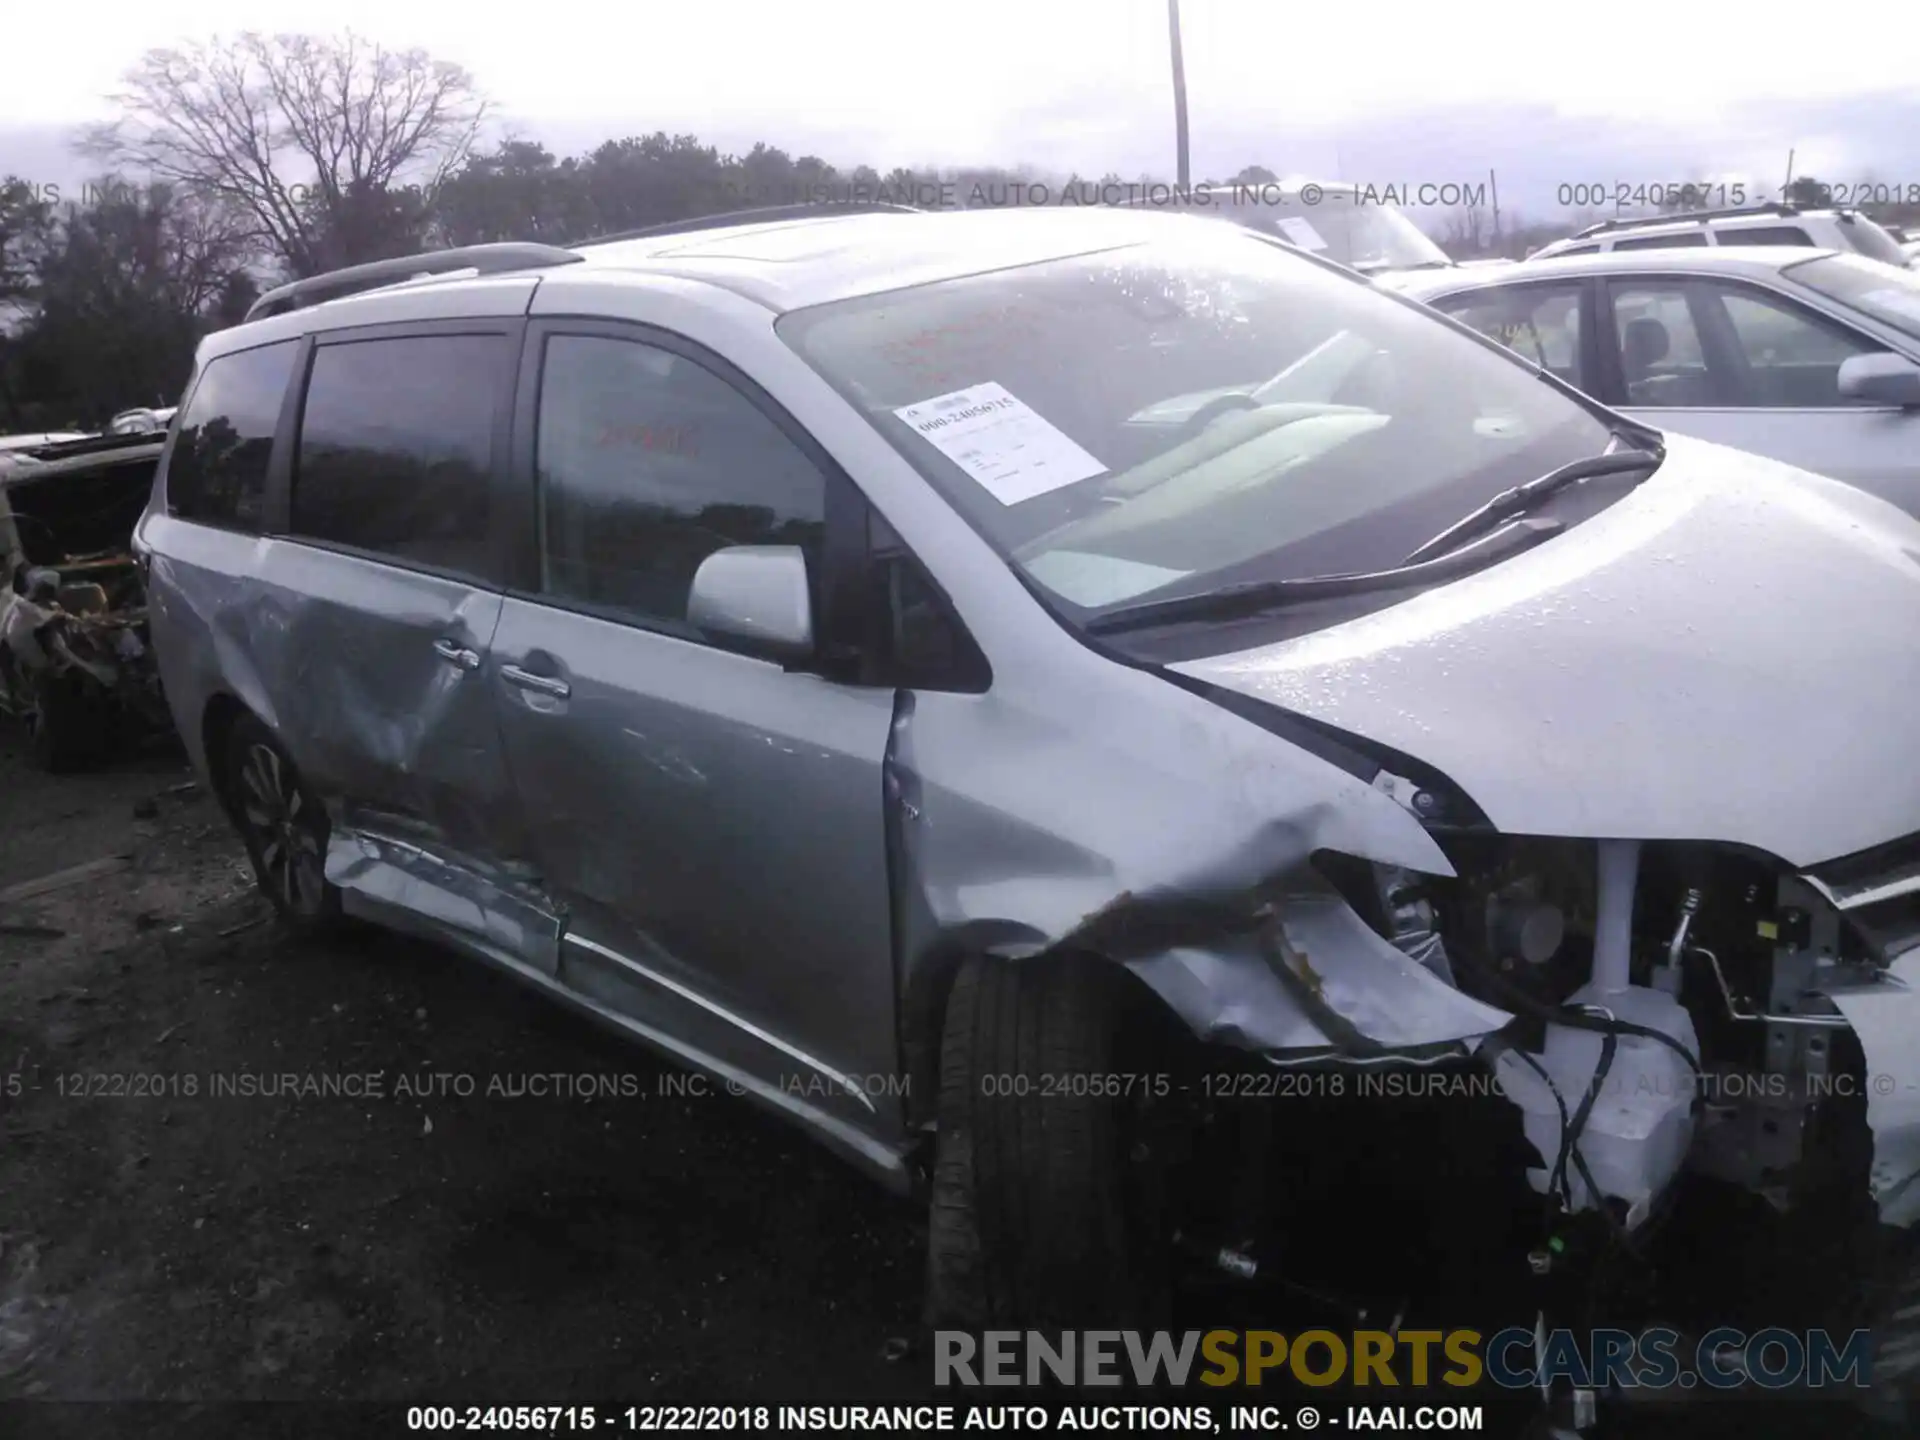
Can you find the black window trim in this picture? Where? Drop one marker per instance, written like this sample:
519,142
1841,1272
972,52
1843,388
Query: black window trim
280,474
1698,287
164,469
839,604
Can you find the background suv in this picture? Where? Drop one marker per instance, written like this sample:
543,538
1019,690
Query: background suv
1831,229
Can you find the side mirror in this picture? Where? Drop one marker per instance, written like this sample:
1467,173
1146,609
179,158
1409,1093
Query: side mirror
1881,379
756,595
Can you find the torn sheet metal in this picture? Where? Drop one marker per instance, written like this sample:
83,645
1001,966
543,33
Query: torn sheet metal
1235,993
446,901
1886,1017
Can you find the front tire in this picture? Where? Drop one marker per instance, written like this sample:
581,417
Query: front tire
283,825
1046,1206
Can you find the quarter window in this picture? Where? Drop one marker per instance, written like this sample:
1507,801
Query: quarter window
648,463
1541,323
217,473
1766,235
1661,242
396,448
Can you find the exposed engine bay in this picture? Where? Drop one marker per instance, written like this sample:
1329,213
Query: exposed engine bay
75,661
1679,1008
1706,1050
1579,1079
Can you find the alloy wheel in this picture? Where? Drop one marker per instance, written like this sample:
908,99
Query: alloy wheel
285,830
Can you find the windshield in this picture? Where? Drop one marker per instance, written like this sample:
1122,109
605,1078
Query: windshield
1121,422
1888,295
1366,237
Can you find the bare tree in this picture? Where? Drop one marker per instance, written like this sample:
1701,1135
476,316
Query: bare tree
321,148
1466,233
25,218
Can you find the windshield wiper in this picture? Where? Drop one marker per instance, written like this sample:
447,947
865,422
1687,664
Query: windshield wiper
1520,498
1233,602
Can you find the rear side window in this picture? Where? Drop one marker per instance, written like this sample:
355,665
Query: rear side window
396,449
1766,235
218,471
1661,242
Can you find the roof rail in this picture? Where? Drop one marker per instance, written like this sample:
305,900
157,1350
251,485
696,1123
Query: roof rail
759,215
1682,217
486,259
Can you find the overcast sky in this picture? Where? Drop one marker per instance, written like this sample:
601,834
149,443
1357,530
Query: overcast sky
1450,90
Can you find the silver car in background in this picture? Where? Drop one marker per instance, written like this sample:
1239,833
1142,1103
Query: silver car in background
1807,356
1047,701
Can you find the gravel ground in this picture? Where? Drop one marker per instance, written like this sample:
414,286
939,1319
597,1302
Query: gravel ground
161,1241
166,1235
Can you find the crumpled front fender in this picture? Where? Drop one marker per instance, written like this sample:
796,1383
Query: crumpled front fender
1313,976
1167,834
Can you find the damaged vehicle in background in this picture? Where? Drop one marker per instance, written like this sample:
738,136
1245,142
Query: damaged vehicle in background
75,666
1119,728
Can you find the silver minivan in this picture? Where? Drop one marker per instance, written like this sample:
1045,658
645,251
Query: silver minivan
1059,704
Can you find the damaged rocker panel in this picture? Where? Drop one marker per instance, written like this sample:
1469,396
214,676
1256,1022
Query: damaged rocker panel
514,927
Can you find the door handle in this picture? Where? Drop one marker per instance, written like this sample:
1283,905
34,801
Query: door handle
527,680
455,653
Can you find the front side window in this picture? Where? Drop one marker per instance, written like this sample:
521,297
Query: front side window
396,448
1540,323
1662,359
217,474
1160,414
649,462
1787,357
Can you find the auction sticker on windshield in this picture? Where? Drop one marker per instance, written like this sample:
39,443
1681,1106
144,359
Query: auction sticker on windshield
1002,443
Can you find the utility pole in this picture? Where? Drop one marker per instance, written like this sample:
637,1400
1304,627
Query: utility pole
1179,92
1786,190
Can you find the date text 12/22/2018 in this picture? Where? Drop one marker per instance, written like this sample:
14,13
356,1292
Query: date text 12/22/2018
924,1419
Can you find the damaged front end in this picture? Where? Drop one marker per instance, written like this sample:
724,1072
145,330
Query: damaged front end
75,661
1650,1082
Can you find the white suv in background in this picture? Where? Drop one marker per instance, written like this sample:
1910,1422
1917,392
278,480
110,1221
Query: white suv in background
1751,225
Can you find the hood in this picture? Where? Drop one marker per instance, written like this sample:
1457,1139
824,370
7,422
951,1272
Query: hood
1729,653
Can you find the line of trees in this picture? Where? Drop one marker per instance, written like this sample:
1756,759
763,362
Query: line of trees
255,158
